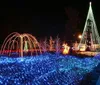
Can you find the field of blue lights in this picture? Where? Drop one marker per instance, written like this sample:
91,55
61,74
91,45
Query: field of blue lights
45,69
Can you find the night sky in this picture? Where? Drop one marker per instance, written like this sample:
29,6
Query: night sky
42,19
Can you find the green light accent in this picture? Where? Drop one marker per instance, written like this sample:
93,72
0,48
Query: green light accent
26,46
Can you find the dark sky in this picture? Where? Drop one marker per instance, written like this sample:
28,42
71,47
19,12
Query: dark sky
43,19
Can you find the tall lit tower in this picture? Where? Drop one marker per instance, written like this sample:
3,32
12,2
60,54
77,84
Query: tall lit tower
90,35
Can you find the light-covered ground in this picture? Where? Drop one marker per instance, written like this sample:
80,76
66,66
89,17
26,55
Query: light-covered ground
46,69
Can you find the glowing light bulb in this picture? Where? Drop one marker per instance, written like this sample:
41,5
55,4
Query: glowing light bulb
80,36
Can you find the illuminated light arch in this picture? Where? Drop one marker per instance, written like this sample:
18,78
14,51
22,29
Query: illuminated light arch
17,42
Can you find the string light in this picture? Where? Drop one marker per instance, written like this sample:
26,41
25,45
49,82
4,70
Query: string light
45,69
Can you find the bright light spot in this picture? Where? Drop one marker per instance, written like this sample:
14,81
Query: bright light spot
80,36
66,49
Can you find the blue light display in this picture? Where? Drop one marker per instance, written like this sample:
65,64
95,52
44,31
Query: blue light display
47,69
